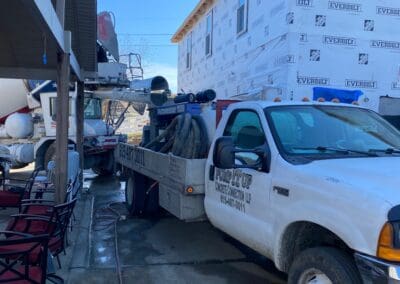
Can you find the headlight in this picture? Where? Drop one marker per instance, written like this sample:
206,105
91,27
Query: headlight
389,242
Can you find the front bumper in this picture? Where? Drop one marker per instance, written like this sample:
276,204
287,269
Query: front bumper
374,270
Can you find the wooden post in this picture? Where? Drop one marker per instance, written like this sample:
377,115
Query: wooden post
62,123
80,100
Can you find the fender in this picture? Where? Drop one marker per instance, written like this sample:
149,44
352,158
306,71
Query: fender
331,219
41,148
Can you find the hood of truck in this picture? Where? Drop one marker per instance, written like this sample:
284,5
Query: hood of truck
377,177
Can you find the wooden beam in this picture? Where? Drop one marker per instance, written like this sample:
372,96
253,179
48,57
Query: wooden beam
79,126
62,123
60,10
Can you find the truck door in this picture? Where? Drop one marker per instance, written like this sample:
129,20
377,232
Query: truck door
237,200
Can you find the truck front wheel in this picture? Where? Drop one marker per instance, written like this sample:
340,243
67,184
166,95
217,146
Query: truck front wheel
323,265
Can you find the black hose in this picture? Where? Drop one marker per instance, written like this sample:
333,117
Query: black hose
186,136
203,151
182,136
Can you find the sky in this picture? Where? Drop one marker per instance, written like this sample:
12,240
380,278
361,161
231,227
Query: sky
146,27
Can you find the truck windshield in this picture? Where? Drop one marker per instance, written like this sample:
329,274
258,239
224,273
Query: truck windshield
92,108
321,131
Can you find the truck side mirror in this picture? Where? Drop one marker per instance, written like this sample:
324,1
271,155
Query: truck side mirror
224,153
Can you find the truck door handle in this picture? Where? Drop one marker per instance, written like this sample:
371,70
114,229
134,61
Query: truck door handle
281,191
211,173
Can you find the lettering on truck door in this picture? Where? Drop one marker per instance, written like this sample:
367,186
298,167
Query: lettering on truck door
239,198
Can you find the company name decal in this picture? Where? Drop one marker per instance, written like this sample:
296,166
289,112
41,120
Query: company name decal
306,3
304,80
387,11
234,188
385,44
339,40
361,84
344,6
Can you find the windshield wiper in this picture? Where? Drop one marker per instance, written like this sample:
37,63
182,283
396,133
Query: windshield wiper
389,151
338,150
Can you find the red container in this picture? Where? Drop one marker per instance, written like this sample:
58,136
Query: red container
221,106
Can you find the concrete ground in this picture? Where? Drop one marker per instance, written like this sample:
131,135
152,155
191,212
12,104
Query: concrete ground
107,246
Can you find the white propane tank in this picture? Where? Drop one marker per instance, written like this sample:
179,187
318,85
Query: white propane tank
19,125
22,153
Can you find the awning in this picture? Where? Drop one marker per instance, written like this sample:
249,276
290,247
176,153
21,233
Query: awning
32,35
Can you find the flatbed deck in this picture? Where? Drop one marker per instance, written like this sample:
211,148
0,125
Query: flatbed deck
181,181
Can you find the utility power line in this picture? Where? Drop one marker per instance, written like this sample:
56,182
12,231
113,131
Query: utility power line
143,34
153,45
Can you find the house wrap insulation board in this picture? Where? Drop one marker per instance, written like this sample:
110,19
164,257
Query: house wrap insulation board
292,46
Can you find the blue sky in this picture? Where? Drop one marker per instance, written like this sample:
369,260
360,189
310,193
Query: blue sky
146,27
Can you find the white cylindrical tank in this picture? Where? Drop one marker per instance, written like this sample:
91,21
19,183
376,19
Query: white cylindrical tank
19,125
22,153
12,96
3,132
96,127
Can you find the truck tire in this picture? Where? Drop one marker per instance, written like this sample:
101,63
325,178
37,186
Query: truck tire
135,192
106,166
152,206
323,265
137,202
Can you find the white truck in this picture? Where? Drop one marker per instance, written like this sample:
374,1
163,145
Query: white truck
311,185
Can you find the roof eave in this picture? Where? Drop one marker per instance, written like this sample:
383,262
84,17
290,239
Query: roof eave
192,19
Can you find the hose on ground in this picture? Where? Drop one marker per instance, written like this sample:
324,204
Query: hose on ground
105,218
186,137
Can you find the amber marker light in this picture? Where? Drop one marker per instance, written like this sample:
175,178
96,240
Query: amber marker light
321,100
335,100
277,100
306,99
189,189
386,249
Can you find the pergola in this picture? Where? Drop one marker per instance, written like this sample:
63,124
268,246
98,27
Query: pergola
51,40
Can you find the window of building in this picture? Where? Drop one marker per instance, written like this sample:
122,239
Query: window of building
189,51
242,17
209,32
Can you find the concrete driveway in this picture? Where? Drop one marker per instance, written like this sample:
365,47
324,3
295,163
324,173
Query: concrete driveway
107,246
159,250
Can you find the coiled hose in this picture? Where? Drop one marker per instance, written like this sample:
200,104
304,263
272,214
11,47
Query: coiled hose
186,137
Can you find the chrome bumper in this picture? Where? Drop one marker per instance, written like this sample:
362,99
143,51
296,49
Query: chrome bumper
373,270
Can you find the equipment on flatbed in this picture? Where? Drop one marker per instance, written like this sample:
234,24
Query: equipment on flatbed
153,91
201,97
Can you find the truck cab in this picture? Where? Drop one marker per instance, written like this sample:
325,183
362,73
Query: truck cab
313,186
99,137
